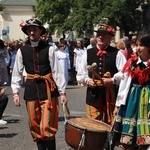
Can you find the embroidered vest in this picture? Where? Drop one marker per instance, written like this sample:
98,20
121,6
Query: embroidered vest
36,61
104,63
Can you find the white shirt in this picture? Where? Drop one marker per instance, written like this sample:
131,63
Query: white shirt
55,67
82,75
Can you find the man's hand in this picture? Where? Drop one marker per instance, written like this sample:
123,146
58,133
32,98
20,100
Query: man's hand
91,83
107,81
3,90
17,101
115,112
63,99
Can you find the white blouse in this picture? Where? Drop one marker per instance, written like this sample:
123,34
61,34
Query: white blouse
124,86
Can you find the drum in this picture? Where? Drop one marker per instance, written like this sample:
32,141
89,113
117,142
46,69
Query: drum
86,134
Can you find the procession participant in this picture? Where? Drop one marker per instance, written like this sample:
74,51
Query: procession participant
44,83
44,37
63,41
100,100
132,128
78,53
64,61
92,43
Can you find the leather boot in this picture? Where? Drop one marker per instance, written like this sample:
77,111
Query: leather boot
41,145
50,144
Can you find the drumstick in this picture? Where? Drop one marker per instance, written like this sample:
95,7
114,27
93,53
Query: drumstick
112,124
92,68
65,109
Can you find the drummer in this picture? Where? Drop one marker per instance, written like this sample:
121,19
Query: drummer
100,99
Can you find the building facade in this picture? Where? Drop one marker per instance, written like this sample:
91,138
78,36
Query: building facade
15,12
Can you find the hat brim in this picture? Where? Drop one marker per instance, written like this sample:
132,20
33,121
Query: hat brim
24,29
103,31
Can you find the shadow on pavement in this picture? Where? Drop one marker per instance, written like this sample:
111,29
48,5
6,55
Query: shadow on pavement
11,121
8,135
3,128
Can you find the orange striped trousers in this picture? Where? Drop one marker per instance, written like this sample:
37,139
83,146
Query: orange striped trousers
94,112
43,120
100,113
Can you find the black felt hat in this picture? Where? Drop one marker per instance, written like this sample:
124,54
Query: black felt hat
106,29
33,22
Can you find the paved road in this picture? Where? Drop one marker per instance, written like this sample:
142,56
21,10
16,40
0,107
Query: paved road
15,135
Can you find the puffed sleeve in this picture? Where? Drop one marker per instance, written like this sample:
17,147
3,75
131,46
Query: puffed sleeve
123,90
120,60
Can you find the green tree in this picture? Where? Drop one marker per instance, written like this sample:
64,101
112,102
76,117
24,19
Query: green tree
122,13
64,15
81,16
1,7
54,13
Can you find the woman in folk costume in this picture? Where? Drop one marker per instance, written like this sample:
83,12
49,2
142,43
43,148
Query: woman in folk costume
44,83
63,58
132,126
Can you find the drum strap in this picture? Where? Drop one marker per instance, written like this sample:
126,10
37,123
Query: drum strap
81,144
109,138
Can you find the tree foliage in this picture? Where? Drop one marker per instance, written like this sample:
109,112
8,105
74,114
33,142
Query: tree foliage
54,13
123,13
81,16
1,7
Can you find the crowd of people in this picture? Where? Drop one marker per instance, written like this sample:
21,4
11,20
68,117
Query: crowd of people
116,75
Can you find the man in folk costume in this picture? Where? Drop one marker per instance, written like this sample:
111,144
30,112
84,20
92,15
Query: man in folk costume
44,84
100,98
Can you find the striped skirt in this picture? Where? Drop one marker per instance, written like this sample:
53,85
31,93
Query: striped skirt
43,120
132,125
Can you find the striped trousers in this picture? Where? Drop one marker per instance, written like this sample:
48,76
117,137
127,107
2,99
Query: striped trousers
43,120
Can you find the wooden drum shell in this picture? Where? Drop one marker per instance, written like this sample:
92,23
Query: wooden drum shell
95,139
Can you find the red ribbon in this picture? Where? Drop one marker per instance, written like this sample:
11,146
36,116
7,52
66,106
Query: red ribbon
141,75
101,53
21,24
128,64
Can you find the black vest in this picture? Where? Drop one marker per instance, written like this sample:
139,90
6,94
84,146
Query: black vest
104,63
36,61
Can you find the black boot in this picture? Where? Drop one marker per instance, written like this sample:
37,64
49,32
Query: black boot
50,144
41,145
